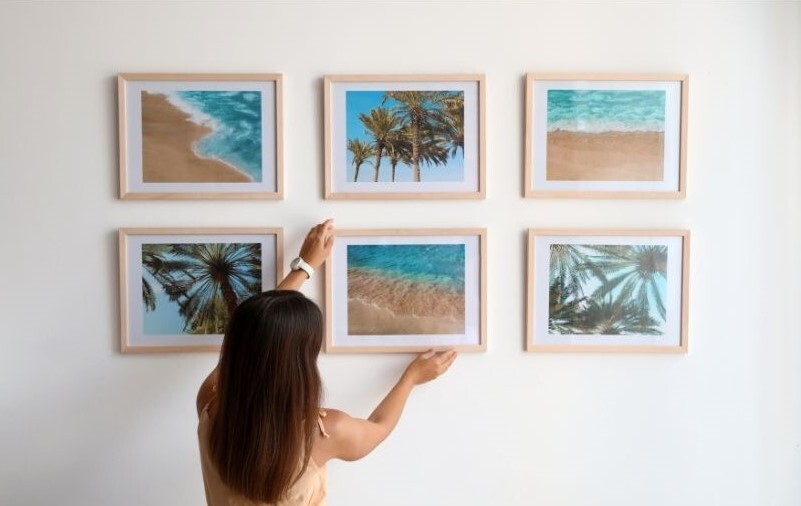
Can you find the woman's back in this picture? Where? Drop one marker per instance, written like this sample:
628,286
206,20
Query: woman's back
260,414
308,490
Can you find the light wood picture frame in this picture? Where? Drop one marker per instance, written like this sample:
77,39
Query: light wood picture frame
200,136
607,290
174,296
606,136
406,290
405,136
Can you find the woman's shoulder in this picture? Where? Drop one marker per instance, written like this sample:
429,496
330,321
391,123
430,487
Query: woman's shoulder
207,392
330,412
332,421
334,432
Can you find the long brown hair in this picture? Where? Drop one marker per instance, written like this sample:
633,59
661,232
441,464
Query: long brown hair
268,394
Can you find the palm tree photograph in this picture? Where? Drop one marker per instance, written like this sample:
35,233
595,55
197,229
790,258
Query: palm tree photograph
404,136
607,289
194,288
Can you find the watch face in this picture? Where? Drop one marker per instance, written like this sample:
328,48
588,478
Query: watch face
298,264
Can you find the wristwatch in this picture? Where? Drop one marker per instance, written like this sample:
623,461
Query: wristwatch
299,264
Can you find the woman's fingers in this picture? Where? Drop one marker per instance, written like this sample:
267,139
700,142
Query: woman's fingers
318,243
443,360
430,353
448,359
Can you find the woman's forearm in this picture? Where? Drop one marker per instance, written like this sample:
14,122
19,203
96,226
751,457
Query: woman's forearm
293,281
355,438
425,367
389,410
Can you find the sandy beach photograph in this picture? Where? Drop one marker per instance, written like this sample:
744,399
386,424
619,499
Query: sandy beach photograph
406,289
605,135
201,137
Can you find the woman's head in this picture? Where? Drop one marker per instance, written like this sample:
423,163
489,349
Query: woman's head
268,394
273,336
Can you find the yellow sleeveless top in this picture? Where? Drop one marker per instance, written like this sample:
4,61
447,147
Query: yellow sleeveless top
309,490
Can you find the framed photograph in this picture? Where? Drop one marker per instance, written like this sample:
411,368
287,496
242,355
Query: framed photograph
179,286
404,136
606,135
607,290
200,136
406,291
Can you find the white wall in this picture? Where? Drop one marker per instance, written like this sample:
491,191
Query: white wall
81,424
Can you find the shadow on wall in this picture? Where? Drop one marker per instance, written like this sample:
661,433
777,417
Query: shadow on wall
112,125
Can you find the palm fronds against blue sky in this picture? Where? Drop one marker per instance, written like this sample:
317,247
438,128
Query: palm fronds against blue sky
417,131
607,289
194,288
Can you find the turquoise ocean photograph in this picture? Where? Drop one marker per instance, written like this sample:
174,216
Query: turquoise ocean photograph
404,136
605,135
396,289
194,288
607,289
202,137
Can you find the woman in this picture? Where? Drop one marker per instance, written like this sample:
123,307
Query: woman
264,438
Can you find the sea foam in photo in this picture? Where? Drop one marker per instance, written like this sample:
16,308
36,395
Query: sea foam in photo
596,111
406,289
235,120
605,135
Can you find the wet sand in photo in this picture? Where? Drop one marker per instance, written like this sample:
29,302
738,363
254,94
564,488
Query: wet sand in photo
167,140
383,305
607,156
368,319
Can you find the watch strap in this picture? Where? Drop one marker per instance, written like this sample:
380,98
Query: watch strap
299,264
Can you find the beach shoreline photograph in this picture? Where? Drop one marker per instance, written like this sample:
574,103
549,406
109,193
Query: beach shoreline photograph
409,289
201,137
605,135
404,136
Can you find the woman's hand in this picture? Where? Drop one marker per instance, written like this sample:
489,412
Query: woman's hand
429,365
318,243
315,249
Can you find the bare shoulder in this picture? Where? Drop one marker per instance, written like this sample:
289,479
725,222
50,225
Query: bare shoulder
338,429
348,437
204,397
207,391
334,421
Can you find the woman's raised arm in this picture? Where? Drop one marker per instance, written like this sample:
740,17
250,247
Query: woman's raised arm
352,438
315,249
